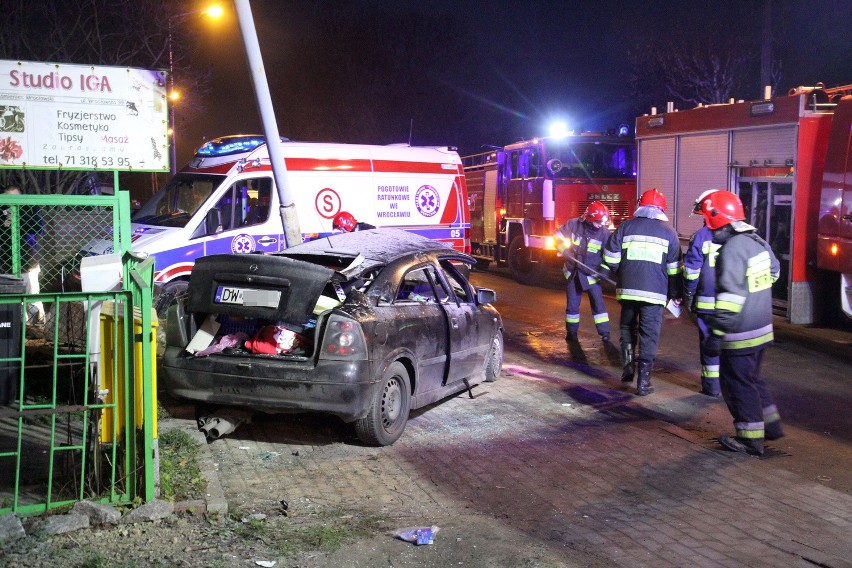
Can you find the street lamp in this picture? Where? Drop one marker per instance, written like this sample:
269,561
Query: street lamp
214,11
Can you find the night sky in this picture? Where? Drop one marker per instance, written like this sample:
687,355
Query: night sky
470,74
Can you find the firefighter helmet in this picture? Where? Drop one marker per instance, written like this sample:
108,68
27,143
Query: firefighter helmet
596,212
721,208
696,208
344,221
655,198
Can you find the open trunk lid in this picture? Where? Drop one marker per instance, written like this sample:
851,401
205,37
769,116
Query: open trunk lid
267,287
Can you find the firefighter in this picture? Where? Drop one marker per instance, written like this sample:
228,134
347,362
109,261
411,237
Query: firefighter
741,324
346,222
699,294
580,242
644,253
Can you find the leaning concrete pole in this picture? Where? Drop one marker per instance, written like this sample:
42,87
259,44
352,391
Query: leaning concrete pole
289,217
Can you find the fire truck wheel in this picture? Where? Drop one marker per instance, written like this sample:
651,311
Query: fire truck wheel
523,269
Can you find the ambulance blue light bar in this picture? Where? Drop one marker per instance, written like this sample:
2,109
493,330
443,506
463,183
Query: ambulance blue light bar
227,145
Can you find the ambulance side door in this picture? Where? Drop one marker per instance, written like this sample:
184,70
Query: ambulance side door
243,219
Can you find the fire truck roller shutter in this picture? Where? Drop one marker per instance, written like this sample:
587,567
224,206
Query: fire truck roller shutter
657,168
772,145
702,164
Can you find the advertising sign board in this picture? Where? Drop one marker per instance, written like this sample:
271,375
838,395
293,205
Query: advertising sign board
82,117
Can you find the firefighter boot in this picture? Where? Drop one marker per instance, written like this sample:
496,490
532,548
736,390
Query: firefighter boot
752,447
643,382
627,361
773,430
570,334
710,386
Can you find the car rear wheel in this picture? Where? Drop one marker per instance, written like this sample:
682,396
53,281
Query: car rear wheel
495,358
389,408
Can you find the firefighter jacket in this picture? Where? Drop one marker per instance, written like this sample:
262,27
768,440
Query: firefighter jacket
699,279
745,271
645,254
578,240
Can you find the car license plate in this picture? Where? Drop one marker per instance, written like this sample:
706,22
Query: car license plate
247,297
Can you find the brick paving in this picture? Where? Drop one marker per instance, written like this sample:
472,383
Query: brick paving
571,465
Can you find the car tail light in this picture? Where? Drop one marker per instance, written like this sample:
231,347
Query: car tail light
343,340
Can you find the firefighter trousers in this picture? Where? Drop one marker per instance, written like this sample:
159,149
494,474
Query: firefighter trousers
574,294
709,364
747,396
642,321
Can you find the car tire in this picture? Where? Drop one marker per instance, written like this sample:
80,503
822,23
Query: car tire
494,363
389,408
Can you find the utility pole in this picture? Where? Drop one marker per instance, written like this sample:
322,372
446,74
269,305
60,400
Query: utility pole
289,217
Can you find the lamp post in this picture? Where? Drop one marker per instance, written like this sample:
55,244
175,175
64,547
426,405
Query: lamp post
214,11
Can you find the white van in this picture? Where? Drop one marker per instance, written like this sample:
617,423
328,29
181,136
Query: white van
225,200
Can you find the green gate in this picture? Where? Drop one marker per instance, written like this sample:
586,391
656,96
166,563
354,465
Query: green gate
77,401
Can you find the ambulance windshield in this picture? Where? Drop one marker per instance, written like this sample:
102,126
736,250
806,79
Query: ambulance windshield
175,204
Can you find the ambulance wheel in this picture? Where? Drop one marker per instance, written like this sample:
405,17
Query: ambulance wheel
389,408
168,295
521,264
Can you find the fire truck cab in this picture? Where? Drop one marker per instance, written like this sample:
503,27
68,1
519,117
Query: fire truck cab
521,193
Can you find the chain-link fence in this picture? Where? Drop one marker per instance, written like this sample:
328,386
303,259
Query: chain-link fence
43,242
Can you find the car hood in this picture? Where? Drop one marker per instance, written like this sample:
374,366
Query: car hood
270,287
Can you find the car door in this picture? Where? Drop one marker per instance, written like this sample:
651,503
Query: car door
418,323
470,335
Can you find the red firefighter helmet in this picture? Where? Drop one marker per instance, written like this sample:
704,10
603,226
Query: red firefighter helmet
721,208
597,212
655,198
696,208
344,221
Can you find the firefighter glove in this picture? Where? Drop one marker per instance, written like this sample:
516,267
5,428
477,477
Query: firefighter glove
712,346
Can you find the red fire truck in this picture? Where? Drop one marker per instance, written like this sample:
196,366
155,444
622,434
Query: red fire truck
834,244
772,153
520,194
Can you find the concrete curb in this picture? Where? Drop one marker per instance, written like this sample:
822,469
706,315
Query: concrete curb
213,501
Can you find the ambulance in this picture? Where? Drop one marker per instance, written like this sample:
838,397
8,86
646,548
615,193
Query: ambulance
225,201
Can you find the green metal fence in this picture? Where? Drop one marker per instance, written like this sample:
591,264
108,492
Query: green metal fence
75,422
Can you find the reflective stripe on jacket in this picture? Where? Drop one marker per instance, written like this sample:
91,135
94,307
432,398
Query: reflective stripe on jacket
745,271
582,241
644,253
699,274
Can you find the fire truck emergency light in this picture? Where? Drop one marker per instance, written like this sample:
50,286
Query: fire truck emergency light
762,108
559,130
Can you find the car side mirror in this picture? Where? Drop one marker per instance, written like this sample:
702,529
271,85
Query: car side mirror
213,221
485,296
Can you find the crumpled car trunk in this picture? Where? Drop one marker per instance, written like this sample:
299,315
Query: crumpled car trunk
272,288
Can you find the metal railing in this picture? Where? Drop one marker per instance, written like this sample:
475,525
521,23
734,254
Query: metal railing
77,419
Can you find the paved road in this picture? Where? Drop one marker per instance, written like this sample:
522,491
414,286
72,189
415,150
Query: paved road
555,465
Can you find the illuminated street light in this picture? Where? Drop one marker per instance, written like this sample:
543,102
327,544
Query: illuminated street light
214,11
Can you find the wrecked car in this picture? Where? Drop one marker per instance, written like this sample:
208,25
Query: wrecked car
365,326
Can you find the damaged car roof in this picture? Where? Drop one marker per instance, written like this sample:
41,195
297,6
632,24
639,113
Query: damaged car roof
376,246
